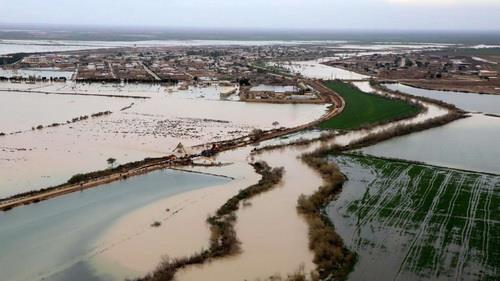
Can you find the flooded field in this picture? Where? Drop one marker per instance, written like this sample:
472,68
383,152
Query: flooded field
466,101
148,128
470,144
406,221
24,111
314,69
416,222
58,239
47,73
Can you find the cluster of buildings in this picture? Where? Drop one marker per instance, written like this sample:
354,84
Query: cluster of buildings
299,93
418,66
168,64
59,61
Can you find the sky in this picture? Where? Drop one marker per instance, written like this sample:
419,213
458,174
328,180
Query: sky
262,14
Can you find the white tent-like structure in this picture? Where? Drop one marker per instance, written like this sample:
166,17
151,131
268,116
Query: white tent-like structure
180,151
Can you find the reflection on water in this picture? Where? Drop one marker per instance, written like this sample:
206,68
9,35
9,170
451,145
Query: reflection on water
59,235
415,222
466,101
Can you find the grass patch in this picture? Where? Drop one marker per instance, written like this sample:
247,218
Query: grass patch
364,109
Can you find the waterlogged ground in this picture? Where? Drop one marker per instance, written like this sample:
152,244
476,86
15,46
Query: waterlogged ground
417,222
22,111
314,69
469,144
464,144
138,128
466,101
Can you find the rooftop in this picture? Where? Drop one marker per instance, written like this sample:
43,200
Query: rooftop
276,89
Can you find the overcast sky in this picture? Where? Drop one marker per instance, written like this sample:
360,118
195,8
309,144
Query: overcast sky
314,14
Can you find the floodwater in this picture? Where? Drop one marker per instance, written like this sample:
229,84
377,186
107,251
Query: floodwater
466,101
175,237
314,69
149,128
268,247
33,46
273,235
266,242
38,73
23,111
415,222
56,239
469,144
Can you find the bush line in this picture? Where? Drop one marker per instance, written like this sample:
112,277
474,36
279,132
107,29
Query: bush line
333,260
223,239
84,178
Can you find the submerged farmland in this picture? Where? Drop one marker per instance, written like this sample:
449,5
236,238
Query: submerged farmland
410,221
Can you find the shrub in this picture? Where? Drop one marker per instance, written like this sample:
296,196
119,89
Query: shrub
223,238
156,224
333,260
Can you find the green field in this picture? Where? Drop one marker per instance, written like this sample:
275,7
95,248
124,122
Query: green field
428,223
364,109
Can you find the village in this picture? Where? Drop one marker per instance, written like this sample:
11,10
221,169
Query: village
437,70
237,69
162,65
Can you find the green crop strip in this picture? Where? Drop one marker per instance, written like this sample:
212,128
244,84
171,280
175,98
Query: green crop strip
363,109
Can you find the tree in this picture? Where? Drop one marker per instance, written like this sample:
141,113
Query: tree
111,162
244,82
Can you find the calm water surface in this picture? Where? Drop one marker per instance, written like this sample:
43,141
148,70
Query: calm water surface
466,101
470,144
54,239
314,69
